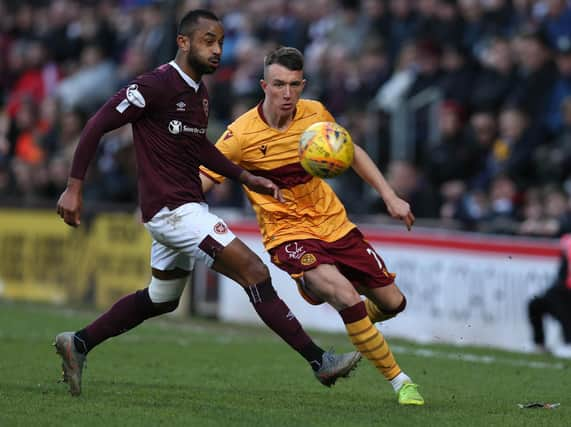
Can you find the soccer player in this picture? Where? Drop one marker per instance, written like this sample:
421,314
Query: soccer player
168,109
310,236
556,302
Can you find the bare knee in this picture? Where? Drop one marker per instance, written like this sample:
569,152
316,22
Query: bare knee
389,299
255,271
396,309
238,262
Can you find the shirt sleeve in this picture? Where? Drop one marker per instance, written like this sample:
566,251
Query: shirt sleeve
126,106
229,145
214,160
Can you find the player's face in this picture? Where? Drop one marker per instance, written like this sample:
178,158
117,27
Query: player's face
204,47
282,87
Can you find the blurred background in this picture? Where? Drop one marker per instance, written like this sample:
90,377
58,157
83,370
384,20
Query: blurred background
465,105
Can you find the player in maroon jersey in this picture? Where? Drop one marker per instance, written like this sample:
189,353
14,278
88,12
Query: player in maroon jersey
168,110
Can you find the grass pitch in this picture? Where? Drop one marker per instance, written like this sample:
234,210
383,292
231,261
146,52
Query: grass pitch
199,373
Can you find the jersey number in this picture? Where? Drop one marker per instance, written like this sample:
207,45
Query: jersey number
374,255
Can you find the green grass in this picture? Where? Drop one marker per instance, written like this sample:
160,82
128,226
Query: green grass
198,373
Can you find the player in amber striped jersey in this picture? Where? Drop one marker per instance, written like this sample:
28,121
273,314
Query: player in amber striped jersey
310,236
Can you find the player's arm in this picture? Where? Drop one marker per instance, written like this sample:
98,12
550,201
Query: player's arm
214,160
126,106
229,145
370,173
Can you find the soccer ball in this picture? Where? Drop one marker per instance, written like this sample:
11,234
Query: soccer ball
326,149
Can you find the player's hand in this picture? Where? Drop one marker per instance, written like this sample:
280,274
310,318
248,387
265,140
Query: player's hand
262,185
69,204
400,209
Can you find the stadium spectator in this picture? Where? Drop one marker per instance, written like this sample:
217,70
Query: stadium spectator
512,152
391,94
544,212
168,110
93,82
555,302
498,17
497,77
459,74
310,237
469,208
481,136
403,24
37,76
450,26
412,185
451,157
503,207
562,87
537,71
472,13
557,21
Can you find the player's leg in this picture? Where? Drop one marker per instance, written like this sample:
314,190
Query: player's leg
360,263
241,264
536,309
381,303
161,296
326,282
313,263
170,271
556,303
384,302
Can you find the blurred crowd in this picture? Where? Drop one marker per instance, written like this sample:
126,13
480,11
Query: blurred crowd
498,157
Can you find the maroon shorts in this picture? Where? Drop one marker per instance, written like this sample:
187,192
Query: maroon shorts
352,254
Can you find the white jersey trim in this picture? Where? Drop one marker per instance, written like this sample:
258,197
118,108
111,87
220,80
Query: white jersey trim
185,76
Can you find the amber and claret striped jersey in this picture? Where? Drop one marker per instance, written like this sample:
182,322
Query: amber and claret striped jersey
311,210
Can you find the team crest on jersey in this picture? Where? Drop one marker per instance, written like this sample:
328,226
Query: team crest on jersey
308,259
135,97
220,228
205,106
175,127
263,149
180,106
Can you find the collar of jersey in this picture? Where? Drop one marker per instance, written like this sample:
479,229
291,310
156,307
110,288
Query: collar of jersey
185,76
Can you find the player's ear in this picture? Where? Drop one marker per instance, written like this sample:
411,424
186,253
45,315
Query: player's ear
263,84
183,42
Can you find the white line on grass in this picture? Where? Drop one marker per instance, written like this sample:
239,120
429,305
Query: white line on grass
474,358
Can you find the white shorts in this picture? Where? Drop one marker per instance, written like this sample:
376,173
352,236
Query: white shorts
185,234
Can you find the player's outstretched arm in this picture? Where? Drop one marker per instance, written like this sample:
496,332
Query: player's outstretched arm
261,185
370,173
70,202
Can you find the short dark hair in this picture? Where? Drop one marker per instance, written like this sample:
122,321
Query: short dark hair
189,21
289,57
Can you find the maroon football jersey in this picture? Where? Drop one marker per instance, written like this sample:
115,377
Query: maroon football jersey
169,115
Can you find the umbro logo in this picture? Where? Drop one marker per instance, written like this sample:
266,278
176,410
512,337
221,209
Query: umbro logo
263,149
180,106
